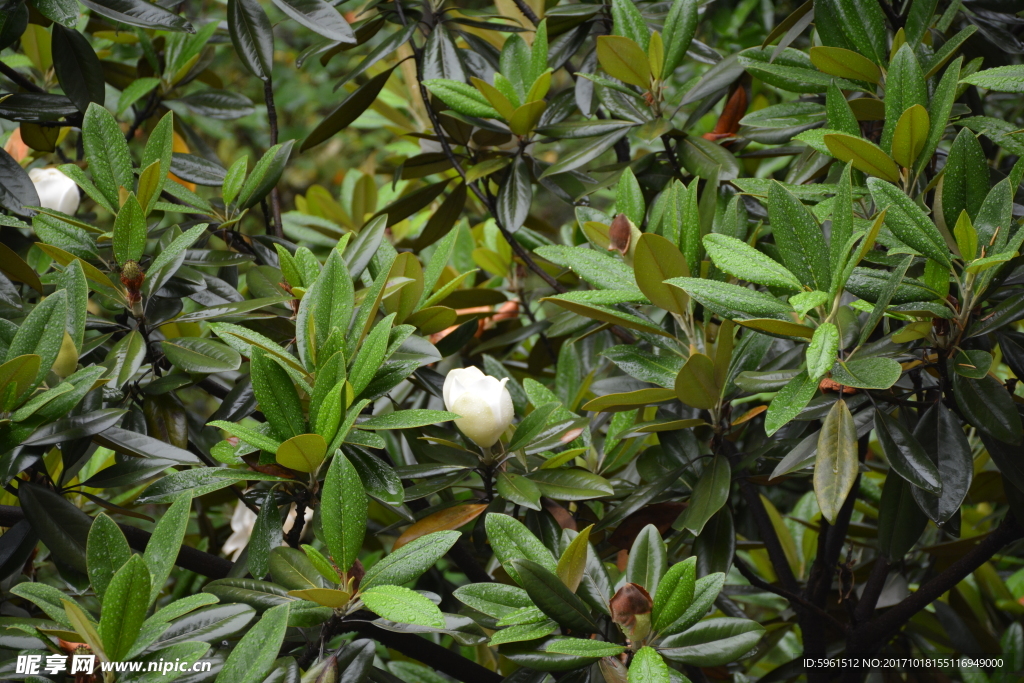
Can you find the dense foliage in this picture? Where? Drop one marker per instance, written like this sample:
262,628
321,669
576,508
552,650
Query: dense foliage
749,275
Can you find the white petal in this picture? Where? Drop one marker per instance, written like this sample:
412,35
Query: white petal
456,382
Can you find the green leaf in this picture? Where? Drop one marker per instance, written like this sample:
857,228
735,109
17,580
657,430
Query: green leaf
110,163
864,155
350,109
625,60
674,594
77,67
709,495
511,540
41,334
648,559
571,484
908,221
739,259
343,510
370,356
407,419
253,657
797,393
904,87
129,231
265,174
835,464
196,354
713,642
47,598
867,373
62,527
905,455
627,21
799,238
1000,79
885,296
552,597
16,376
942,438
519,490
900,521
461,97
319,17
680,27
163,547
695,384
573,562
583,648
252,36
199,481
410,561
139,13
515,197
106,552
496,600
303,453
965,182
647,666
655,260
732,301
986,404
124,608
821,353
939,110
403,605
837,61
705,592
629,199
277,396
909,137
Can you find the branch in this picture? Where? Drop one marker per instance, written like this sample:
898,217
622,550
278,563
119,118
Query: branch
876,632
872,589
757,581
527,12
768,536
188,558
275,197
19,79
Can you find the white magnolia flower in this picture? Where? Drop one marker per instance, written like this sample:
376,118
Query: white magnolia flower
482,401
56,191
242,521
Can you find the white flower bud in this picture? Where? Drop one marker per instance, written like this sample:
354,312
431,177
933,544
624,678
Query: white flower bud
482,401
56,191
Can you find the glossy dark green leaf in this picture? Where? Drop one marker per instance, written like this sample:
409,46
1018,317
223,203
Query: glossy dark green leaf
867,373
647,559
987,405
319,17
904,87
77,67
264,175
515,197
799,238
277,396
77,427
905,454
110,163
253,36
793,397
732,301
16,188
106,551
139,13
966,181
713,642
254,655
716,545
343,512
209,624
124,608
519,490
510,540
942,437
292,569
553,598
162,550
411,560
709,495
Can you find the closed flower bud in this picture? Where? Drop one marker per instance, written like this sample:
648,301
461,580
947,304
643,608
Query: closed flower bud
483,403
620,234
56,191
631,610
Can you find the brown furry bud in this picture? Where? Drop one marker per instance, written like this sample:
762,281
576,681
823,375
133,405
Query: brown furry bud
631,610
620,233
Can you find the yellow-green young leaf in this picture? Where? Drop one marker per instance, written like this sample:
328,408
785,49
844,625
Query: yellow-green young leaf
655,260
149,183
865,156
403,302
500,103
785,536
574,560
966,237
17,375
432,319
837,61
328,597
525,118
540,86
821,353
835,464
695,383
648,667
84,627
675,593
623,59
321,564
777,328
343,512
656,53
910,135
397,603
303,453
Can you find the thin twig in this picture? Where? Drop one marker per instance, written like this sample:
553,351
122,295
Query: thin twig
527,12
19,79
275,197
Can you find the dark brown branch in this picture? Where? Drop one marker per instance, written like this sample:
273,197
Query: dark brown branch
876,632
275,197
188,558
758,582
872,589
768,536
527,12
19,79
